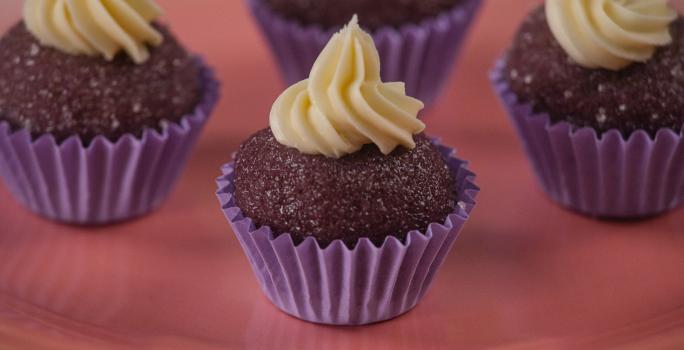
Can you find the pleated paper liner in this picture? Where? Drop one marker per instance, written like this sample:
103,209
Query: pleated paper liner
606,176
421,55
107,181
341,286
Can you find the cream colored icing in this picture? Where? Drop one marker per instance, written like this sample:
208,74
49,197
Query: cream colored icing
95,27
610,34
344,104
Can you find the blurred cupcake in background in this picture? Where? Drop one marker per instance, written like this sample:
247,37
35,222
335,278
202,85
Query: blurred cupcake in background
345,209
99,108
595,90
418,40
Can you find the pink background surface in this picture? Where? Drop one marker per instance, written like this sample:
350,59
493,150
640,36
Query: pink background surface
524,275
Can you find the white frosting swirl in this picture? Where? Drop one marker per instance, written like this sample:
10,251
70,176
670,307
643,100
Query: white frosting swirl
93,27
610,34
344,104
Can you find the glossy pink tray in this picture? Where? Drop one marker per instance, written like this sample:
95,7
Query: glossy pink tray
524,274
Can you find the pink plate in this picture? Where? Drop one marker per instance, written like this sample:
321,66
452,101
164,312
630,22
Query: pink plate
525,274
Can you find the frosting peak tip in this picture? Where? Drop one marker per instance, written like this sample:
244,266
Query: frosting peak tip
354,22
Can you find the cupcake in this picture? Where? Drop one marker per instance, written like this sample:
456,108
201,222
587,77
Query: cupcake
595,91
99,108
418,40
343,206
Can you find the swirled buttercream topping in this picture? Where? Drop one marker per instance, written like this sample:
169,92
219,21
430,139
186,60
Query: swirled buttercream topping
344,104
610,34
95,27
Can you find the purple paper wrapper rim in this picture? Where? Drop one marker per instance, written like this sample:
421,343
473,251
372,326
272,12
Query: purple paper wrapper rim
594,195
245,229
419,54
170,134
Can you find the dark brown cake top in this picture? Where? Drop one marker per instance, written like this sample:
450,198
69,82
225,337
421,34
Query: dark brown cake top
47,91
647,96
372,13
365,194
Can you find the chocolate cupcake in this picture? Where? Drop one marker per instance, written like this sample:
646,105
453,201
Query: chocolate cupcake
270,189
342,181
99,107
418,40
595,93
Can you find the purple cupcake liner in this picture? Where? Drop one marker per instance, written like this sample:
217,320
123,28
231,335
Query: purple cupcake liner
107,181
420,55
604,175
341,286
